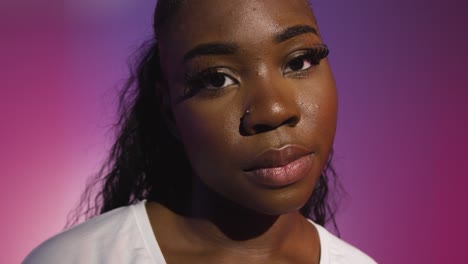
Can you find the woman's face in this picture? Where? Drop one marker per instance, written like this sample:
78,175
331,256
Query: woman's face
254,103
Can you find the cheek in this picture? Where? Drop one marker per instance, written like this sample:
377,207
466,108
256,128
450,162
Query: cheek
329,105
326,109
319,109
207,131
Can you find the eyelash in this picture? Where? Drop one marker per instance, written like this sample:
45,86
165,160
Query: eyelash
313,55
201,81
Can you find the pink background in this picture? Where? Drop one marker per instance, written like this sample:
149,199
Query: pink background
402,134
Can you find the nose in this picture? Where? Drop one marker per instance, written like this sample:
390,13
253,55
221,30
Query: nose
269,105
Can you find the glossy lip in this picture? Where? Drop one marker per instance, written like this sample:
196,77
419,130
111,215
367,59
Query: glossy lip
279,167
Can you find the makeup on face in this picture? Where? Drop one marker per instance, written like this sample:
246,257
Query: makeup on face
213,80
269,64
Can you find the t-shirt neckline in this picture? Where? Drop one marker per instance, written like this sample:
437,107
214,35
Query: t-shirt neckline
152,246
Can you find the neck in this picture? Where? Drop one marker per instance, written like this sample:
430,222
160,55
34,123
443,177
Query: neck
213,220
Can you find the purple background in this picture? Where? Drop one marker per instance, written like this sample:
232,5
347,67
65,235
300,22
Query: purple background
402,134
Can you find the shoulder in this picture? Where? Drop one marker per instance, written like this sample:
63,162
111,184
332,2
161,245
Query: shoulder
336,251
95,240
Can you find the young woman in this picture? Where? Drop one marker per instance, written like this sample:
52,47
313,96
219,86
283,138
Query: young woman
226,134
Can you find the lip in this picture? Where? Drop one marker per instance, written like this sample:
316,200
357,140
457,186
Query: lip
279,167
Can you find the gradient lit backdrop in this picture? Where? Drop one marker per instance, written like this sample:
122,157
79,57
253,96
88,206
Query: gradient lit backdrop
402,135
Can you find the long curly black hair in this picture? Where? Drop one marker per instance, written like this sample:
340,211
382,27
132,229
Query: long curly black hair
145,146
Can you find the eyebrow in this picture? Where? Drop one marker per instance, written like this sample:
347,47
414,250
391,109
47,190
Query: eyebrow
211,49
220,48
294,31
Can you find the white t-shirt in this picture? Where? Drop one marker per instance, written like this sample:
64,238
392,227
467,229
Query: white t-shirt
125,235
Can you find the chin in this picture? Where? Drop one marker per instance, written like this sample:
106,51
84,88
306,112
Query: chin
279,202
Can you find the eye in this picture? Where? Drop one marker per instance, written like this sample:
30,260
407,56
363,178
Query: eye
210,82
301,63
217,81
307,59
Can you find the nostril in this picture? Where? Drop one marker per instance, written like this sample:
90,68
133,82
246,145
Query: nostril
260,128
291,121
268,117
245,130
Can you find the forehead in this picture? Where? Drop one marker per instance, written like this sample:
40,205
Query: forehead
199,21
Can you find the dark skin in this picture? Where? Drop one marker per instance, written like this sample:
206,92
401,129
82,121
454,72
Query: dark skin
260,67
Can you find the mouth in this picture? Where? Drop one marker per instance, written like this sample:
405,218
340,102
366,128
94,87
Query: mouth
281,167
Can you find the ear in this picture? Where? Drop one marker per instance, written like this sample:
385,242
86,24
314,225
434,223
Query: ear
165,108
